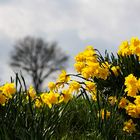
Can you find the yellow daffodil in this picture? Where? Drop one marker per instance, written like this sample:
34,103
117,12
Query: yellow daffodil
123,102
74,86
50,98
102,113
32,92
8,89
129,126
52,86
115,70
63,77
112,100
66,96
91,86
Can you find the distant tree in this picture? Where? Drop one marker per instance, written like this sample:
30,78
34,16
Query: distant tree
38,58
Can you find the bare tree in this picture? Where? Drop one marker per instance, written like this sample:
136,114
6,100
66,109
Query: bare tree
38,58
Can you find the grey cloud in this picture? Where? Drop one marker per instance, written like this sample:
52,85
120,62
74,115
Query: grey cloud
74,23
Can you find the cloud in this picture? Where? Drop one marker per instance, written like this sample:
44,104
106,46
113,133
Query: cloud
90,19
74,23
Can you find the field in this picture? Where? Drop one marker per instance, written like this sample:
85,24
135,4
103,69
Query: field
100,102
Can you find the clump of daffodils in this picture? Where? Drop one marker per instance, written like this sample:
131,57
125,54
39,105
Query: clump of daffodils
132,85
127,48
132,89
89,67
131,101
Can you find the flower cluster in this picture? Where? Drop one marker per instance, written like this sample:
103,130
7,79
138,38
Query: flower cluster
131,105
132,85
57,94
50,98
132,89
88,66
127,48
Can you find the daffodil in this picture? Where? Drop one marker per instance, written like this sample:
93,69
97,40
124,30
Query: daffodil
66,96
74,86
32,92
129,126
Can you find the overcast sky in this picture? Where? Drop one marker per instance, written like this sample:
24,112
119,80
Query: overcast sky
74,24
